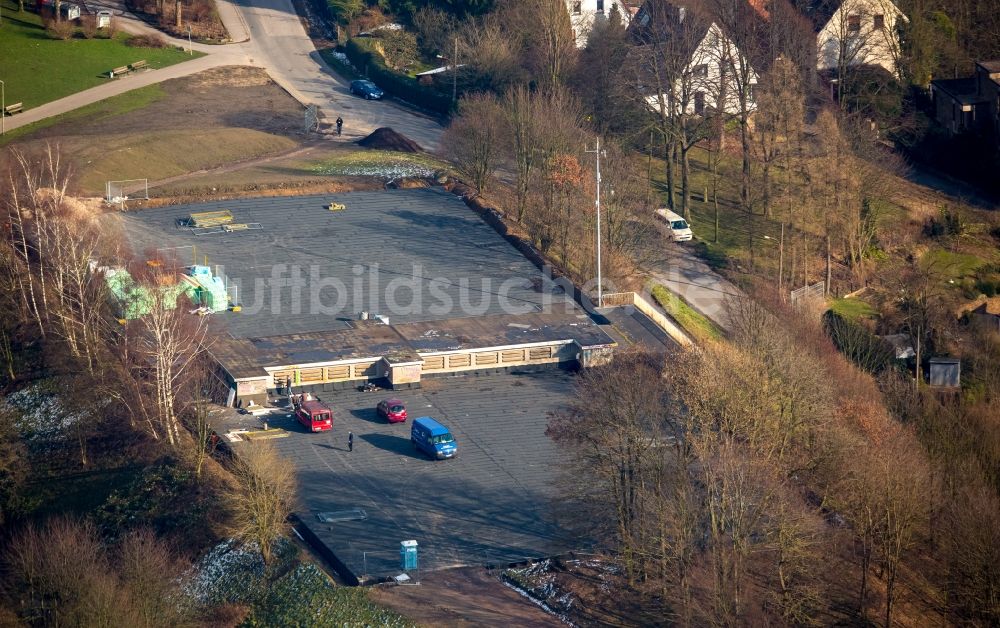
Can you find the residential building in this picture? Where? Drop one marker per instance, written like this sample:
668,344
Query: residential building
855,33
583,14
970,104
679,43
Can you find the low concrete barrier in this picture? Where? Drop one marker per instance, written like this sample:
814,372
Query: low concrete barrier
652,311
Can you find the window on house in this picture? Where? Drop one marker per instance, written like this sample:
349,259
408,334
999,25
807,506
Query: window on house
700,70
600,6
577,7
853,23
879,22
699,103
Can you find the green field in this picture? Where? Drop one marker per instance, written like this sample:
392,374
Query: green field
852,309
951,265
115,106
37,69
692,321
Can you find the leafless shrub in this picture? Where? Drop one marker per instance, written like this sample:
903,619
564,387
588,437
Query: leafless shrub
146,41
88,26
60,29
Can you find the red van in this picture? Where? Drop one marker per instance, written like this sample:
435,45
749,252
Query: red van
315,416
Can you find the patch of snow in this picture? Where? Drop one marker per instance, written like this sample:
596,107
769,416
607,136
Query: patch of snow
41,414
341,57
540,604
388,171
228,573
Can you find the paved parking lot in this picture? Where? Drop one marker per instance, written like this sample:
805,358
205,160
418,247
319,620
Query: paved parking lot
490,505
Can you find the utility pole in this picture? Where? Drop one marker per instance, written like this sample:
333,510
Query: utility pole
597,203
454,74
3,106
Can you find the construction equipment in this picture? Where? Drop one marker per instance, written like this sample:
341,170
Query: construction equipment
231,228
199,220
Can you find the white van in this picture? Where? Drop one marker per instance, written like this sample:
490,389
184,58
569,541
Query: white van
679,228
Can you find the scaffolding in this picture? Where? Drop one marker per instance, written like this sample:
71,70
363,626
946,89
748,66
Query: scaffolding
200,220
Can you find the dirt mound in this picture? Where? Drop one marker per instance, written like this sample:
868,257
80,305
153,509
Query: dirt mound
386,139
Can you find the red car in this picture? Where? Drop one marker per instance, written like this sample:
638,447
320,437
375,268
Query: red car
393,410
315,416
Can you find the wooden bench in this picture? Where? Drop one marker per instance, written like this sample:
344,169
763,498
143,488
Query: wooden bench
10,110
139,65
119,71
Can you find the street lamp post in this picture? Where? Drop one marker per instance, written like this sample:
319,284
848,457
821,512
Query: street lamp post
597,203
190,51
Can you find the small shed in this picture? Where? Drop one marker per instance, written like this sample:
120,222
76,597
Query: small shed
946,372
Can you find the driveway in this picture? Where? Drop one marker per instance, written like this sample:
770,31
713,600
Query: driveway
675,266
269,35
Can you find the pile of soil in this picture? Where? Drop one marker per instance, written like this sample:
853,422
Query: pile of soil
386,139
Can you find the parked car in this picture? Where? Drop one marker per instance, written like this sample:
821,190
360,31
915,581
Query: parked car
392,410
680,231
366,89
315,415
432,438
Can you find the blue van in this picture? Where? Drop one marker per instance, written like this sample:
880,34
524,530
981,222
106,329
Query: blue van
432,438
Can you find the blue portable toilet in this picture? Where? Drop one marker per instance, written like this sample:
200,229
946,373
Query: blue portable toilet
408,555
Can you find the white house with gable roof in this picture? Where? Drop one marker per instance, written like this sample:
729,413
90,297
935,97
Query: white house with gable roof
855,33
584,13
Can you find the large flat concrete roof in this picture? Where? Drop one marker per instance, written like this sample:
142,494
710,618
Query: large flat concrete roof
422,240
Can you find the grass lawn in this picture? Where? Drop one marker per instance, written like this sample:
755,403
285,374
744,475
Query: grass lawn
951,265
171,153
852,309
116,105
37,69
687,317
734,224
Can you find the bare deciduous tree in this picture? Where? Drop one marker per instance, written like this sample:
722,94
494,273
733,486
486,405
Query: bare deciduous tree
263,496
164,343
475,139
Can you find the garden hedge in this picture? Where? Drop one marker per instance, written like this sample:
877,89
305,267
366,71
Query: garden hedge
401,86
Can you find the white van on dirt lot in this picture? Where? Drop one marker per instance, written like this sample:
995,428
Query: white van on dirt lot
679,228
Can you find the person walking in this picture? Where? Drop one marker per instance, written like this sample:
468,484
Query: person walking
350,441
340,124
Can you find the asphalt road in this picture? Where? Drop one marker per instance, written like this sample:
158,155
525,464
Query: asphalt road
676,267
270,35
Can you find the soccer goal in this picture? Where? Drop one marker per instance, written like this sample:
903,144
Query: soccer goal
118,192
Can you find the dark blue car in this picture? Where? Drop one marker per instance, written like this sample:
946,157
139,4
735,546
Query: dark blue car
366,89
